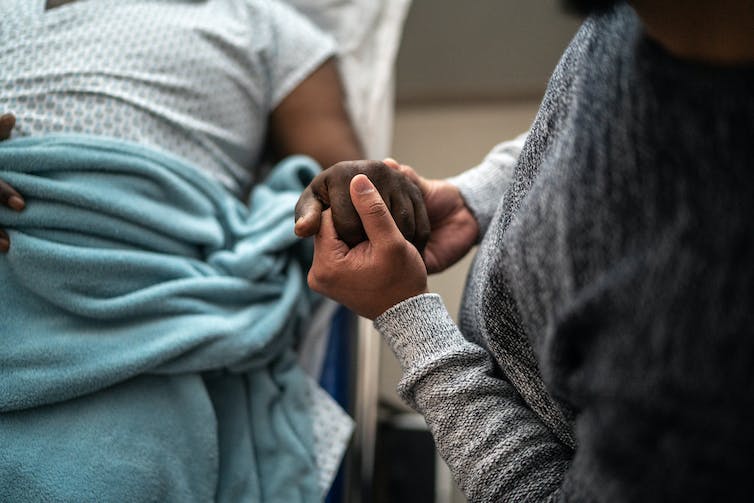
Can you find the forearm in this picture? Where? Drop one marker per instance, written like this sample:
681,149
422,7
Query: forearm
496,447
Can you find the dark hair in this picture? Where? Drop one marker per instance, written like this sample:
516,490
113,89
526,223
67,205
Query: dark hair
586,7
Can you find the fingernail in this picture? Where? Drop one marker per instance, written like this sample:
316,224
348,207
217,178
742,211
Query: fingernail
16,203
362,185
4,245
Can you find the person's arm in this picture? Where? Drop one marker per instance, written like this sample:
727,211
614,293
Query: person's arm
496,446
8,195
656,419
308,115
313,120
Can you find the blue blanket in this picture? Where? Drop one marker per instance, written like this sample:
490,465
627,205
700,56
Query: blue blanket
147,320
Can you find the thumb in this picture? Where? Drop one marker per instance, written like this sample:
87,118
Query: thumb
326,229
375,217
308,212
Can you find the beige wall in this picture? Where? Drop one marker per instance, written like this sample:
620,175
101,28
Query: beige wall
480,49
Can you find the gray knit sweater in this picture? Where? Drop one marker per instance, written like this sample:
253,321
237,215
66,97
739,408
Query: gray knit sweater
606,344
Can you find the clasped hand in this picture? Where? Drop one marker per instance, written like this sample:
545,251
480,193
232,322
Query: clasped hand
380,267
330,189
8,195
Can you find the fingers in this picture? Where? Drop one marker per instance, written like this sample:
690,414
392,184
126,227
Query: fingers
333,189
7,123
308,212
329,250
423,228
375,216
392,163
8,195
10,198
402,209
326,230
344,215
409,173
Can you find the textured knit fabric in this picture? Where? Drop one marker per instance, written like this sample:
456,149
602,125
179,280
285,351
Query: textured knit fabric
491,178
132,274
608,314
196,78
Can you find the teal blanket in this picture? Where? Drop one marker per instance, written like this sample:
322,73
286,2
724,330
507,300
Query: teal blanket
147,320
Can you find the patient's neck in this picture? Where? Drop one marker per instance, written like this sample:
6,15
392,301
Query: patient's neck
51,4
718,32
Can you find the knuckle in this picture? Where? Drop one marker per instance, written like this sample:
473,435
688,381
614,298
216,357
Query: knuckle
316,186
314,279
405,218
343,165
322,275
376,208
311,280
345,170
414,191
377,169
394,246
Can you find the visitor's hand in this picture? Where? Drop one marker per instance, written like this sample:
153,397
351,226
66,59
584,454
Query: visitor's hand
8,195
454,230
330,189
374,275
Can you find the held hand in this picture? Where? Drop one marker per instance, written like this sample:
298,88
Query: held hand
374,275
454,230
8,195
330,189
7,123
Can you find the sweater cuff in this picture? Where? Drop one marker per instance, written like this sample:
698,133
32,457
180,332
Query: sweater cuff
419,330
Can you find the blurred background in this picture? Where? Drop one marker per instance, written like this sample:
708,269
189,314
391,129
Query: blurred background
469,75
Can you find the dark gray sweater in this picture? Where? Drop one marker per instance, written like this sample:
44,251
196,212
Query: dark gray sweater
606,348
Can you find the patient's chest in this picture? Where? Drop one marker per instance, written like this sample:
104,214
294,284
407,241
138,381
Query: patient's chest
184,76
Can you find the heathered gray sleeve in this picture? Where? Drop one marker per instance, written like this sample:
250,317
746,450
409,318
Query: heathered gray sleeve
483,186
496,447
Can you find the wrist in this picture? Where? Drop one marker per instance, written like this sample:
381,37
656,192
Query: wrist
418,330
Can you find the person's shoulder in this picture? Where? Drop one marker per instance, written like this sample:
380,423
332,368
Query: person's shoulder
615,27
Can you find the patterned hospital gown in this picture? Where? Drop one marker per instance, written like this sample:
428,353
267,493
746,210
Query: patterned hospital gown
196,78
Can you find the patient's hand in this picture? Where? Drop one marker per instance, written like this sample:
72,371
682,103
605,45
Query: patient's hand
8,195
330,189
